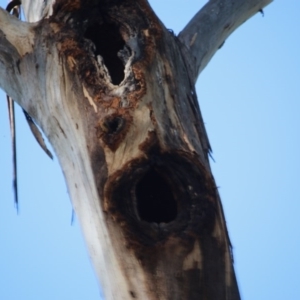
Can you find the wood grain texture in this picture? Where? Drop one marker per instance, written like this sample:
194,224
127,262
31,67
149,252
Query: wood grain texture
113,91
211,26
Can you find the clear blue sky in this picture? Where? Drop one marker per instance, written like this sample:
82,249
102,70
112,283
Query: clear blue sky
250,100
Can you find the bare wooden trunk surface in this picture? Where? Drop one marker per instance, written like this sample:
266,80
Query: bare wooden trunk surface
113,90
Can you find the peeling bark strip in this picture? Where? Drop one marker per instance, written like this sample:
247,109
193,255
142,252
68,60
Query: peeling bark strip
113,90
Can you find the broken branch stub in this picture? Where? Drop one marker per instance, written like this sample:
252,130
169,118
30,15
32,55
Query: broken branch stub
127,105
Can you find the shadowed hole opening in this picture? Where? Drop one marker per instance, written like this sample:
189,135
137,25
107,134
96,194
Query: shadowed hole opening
108,42
155,200
114,124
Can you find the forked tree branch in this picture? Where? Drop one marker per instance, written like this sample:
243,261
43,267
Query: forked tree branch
211,26
19,34
108,85
16,40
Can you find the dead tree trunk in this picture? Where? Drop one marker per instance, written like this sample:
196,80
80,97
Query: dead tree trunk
113,91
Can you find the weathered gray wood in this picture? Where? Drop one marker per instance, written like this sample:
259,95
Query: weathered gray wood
35,10
210,27
113,91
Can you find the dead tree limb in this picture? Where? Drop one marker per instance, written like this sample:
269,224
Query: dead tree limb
113,91
210,27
